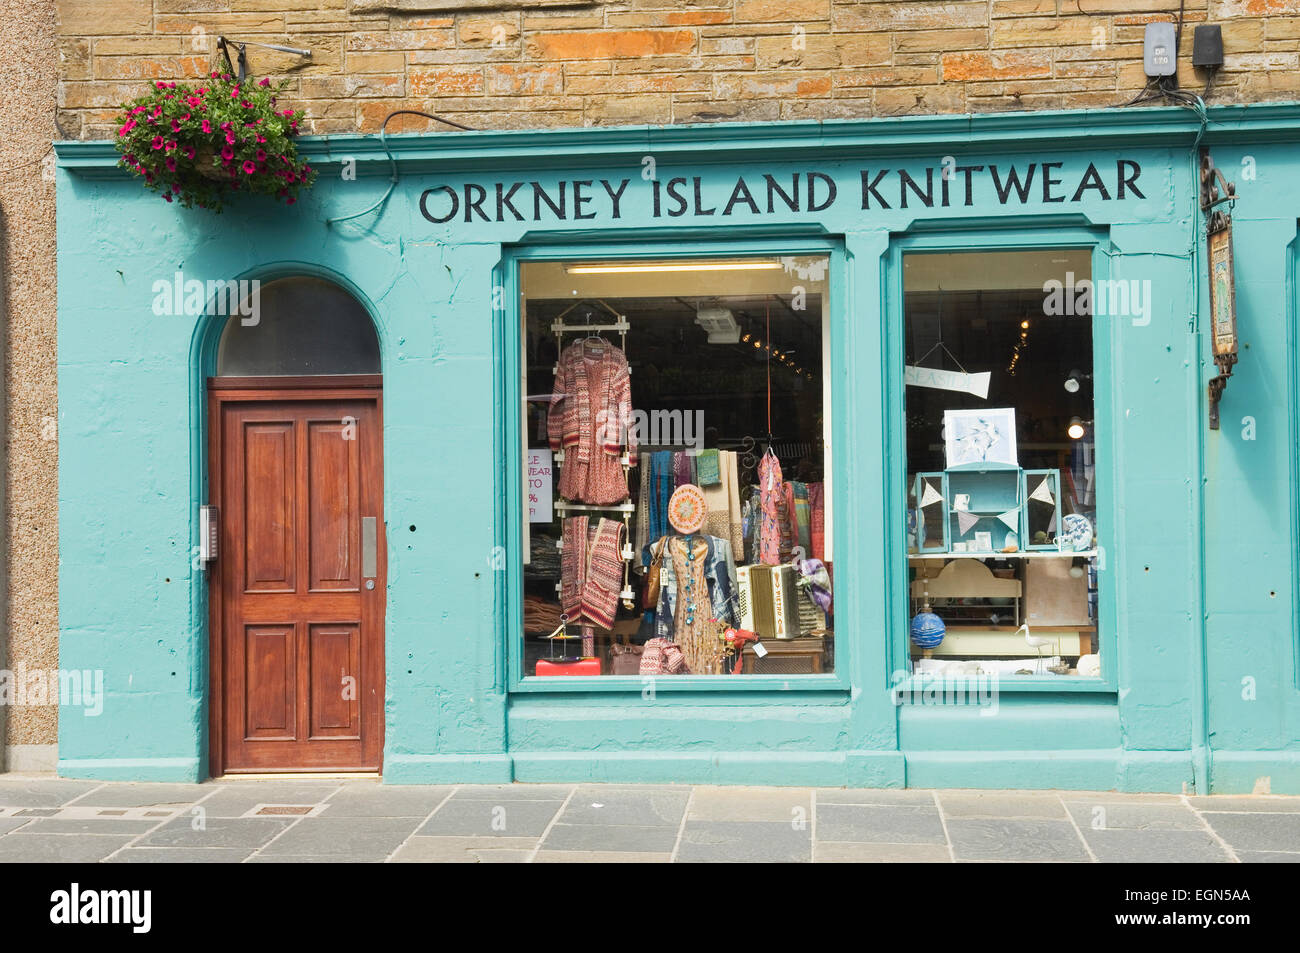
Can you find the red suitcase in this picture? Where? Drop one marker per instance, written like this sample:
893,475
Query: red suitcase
586,666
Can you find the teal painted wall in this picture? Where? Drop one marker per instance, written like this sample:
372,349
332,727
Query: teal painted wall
1199,582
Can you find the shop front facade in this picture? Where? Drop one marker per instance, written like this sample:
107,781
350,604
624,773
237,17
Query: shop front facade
917,377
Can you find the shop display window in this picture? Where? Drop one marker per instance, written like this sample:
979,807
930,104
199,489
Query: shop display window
677,470
1002,527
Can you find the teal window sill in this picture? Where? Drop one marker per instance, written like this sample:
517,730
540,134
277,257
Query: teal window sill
718,684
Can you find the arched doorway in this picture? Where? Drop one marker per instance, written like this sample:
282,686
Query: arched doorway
297,590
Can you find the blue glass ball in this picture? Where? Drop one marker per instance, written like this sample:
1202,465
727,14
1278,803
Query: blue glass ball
927,630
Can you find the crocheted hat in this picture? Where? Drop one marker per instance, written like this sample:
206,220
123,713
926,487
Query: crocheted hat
686,509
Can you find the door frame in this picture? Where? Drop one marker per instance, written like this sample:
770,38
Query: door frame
227,390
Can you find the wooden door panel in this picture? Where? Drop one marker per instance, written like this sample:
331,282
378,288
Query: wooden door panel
298,631
270,505
333,506
270,682
335,677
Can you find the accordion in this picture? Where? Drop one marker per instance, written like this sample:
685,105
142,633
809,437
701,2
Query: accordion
769,601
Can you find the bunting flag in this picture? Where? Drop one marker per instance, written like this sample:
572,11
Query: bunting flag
965,521
1011,518
930,496
1043,493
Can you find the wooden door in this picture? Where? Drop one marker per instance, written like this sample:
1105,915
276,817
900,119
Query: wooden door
298,591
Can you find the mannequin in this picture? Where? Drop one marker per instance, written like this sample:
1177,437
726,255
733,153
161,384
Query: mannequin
697,582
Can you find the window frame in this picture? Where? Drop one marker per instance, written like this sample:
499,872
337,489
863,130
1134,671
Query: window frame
1110,573
508,342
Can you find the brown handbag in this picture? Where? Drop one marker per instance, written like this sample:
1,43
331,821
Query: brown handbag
625,659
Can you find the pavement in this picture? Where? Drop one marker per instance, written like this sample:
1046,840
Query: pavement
44,819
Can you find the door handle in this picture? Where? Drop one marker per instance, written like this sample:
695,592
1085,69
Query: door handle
369,549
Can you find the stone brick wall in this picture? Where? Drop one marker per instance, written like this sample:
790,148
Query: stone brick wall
541,63
30,531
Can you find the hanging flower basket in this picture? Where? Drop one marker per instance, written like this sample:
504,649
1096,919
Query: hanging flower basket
196,144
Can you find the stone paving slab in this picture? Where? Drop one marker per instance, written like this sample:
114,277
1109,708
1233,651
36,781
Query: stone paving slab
392,801
246,832
868,824
180,855
488,818
751,842
33,793
626,807
463,850
236,800
832,852
1158,847
142,795
751,804
969,804
1103,815
1015,839
49,820
610,838
1257,830
22,848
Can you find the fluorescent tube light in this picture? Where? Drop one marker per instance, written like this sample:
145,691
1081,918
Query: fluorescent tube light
673,266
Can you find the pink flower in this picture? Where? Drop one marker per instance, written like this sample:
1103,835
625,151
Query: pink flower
167,196
171,144
212,75
261,155
230,138
157,142
171,164
176,126
137,110
290,200
160,85
234,93
176,187
261,138
249,167
225,126
186,117
127,127
227,153
157,111
265,82
189,152
207,126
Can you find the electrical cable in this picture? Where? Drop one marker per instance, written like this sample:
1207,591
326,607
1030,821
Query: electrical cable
383,141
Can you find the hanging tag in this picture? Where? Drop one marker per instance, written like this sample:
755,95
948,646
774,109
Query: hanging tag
760,650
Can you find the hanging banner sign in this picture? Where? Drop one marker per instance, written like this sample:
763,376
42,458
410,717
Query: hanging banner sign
977,384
